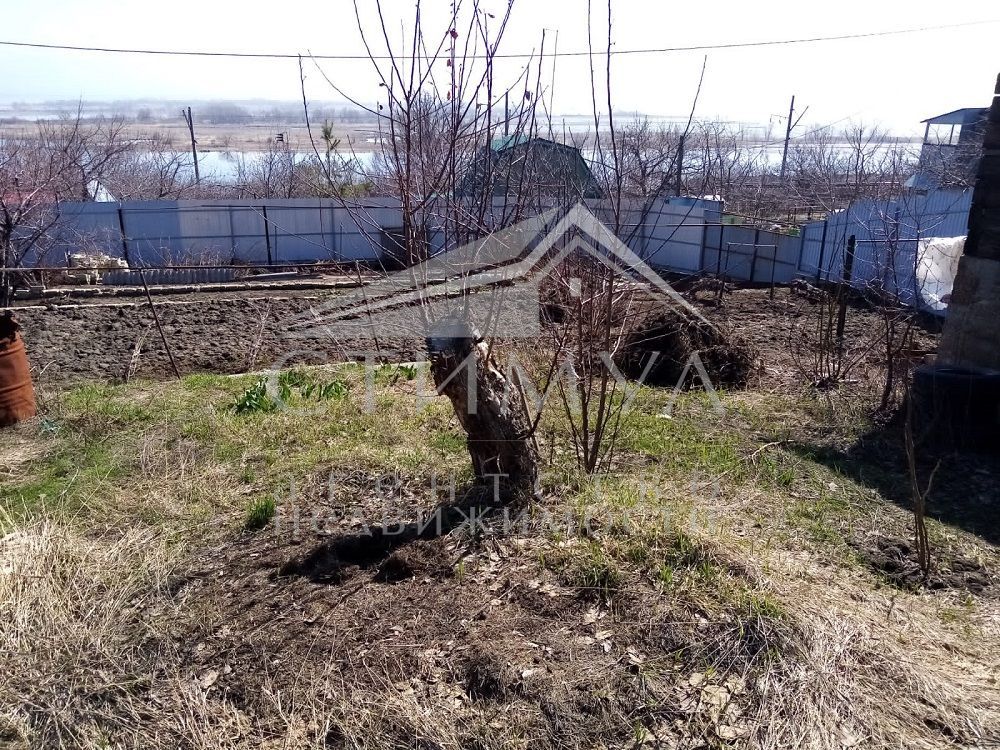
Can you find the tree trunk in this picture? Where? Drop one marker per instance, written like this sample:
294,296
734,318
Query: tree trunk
497,426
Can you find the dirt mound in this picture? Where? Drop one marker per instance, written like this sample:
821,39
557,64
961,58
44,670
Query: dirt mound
670,338
896,559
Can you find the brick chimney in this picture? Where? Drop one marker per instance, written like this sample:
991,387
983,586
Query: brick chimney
971,336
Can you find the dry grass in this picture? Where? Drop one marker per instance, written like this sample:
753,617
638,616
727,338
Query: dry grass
71,627
838,665
136,610
876,667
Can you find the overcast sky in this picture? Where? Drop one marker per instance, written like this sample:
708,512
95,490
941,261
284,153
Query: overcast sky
894,81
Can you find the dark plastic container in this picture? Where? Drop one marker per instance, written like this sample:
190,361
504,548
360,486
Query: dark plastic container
957,407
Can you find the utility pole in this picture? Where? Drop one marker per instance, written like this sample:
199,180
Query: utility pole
194,151
788,134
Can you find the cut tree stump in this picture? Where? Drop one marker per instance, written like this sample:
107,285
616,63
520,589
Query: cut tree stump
497,427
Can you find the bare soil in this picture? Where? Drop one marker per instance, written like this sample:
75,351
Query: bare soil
775,328
502,644
211,333
897,560
240,332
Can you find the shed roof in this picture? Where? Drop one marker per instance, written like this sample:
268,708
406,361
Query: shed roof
548,165
959,116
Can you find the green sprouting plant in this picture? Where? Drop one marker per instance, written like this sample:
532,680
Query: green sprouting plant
260,513
665,574
392,373
336,389
292,379
255,399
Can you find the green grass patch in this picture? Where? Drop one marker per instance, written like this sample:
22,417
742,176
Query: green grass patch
180,450
260,512
588,568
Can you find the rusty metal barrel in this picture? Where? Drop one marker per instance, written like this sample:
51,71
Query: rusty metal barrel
17,395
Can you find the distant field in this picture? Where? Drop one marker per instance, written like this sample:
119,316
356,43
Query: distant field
235,137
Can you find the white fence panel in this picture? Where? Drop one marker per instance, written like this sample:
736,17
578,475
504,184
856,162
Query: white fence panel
674,233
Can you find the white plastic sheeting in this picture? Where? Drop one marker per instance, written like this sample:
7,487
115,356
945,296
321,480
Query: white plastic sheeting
937,264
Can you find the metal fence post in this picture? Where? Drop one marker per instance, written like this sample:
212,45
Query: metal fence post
845,286
753,258
267,235
121,231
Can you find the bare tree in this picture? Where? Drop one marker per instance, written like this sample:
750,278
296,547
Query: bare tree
648,157
68,159
437,114
862,167
724,163
461,172
153,169
829,170
269,173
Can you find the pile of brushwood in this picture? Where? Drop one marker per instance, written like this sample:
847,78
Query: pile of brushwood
670,336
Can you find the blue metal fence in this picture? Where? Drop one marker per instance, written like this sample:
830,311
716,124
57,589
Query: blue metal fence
683,235
888,235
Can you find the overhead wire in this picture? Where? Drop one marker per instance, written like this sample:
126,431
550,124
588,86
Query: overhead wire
497,56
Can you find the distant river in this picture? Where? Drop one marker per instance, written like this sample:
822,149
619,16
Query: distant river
223,166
